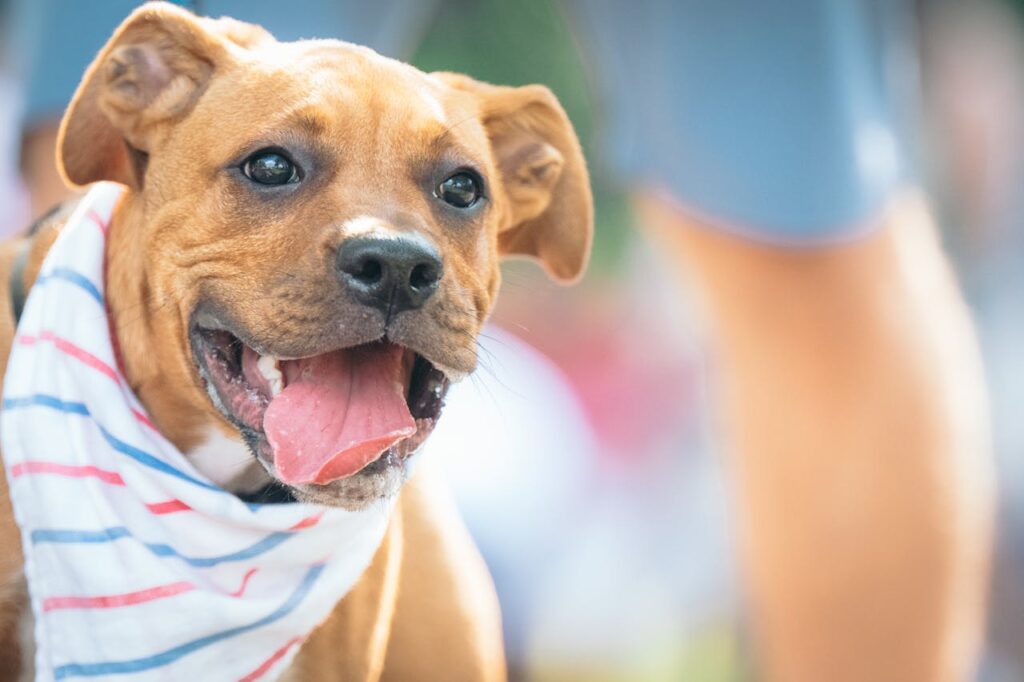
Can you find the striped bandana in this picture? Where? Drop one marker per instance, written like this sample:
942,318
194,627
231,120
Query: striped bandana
140,568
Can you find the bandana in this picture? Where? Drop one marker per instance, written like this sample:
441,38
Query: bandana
140,568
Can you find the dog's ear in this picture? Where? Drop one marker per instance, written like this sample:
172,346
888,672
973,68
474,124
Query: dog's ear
150,73
550,213
239,32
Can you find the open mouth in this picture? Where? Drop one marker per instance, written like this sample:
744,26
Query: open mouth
326,417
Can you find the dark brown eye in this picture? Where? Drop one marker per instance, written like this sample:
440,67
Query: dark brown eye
460,190
270,168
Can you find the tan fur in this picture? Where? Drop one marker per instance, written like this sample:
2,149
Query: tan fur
169,108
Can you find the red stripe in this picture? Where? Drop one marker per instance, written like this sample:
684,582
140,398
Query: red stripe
38,467
133,598
116,600
111,477
168,507
143,419
70,349
85,357
266,665
245,583
308,521
100,222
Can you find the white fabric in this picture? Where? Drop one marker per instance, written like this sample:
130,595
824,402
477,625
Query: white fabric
113,515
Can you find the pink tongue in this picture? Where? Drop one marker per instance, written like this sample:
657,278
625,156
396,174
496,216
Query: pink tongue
337,413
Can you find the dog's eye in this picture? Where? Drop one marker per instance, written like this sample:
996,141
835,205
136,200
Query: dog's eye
460,190
270,168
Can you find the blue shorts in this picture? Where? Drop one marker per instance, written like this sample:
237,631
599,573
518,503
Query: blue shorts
789,121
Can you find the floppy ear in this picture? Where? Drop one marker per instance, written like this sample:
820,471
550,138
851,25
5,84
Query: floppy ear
550,213
150,73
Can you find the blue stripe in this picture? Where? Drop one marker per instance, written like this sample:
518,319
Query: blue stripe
70,536
172,655
135,453
77,536
73,277
45,401
265,545
152,462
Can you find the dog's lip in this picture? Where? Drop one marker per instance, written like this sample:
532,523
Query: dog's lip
205,322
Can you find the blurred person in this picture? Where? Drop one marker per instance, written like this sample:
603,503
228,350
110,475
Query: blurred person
771,151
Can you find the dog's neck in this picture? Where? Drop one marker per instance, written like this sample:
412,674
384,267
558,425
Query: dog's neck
150,330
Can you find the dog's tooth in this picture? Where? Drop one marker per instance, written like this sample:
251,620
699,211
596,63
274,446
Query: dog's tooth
270,368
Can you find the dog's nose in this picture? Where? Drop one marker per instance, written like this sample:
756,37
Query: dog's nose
390,274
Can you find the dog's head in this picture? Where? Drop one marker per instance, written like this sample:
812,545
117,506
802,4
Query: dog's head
312,234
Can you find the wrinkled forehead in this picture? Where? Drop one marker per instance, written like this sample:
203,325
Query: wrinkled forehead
348,93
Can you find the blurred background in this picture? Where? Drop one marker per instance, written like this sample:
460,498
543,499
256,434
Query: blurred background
582,452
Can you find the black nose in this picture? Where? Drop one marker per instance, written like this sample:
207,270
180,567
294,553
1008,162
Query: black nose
390,274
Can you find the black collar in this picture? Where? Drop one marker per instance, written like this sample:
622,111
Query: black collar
17,283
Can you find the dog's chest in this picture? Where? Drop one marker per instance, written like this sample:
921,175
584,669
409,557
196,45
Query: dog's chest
228,463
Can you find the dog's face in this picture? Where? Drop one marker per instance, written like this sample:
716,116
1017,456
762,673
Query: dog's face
315,232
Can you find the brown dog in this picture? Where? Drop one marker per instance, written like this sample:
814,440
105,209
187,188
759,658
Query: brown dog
322,208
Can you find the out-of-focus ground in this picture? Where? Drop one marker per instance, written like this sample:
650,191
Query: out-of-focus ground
589,471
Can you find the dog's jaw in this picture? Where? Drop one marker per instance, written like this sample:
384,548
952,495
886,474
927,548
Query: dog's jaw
235,378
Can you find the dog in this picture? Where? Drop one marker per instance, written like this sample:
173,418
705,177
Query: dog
294,213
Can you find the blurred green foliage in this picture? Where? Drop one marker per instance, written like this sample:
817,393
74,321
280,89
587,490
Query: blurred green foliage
710,654
529,41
